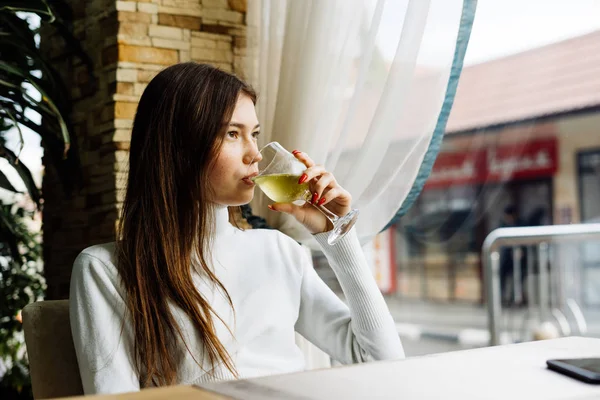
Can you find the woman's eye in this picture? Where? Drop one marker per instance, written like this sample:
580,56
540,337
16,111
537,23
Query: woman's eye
255,134
232,134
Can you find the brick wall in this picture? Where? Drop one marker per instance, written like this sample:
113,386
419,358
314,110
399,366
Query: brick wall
129,43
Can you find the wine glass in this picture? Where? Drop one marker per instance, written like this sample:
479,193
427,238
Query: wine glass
279,172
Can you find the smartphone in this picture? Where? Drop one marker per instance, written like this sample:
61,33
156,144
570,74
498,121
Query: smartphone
584,369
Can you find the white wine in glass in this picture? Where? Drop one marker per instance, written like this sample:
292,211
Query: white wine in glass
278,176
282,188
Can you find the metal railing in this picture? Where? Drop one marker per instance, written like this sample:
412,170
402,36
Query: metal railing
550,272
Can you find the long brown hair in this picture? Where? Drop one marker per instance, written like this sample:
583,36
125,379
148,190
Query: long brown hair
167,214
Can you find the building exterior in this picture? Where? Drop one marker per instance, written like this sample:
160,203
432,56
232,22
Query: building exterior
524,131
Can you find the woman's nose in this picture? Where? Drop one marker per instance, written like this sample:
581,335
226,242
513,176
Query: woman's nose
253,156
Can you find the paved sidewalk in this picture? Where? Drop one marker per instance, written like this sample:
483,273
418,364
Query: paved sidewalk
428,327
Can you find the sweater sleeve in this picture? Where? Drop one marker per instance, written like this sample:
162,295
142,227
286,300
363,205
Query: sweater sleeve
363,329
103,345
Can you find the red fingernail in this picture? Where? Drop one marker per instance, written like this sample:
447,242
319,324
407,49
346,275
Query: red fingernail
296,152
322,201
270,207
314,198
302,179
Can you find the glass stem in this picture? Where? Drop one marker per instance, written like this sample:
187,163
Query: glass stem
331,216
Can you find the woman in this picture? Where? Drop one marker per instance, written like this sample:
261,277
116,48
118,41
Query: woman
184,297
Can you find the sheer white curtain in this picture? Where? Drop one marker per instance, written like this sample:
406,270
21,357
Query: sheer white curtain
356,84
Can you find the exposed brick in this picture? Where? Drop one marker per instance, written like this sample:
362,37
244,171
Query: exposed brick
110,41
224,4
102,170
213,36
125,5
95,128
89,158
124,87
180,21
215,28
223,15
136,17
147,8
239,65
240,42
122,135
170,44
126,98
224,28
106,186
184,56
135,65
146,76
82,76
239,5
166,32
94,200
147,55
240,52
102,216
127,75
238,31
223,46
139,88
204,43
212,55
143,41
110,55
123,123
224,66
125,110
191,11
134,30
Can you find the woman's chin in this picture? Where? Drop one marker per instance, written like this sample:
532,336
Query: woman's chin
240,201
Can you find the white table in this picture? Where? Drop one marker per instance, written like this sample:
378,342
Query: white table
503,372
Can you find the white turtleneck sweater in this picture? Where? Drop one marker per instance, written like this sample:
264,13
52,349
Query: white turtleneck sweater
275,291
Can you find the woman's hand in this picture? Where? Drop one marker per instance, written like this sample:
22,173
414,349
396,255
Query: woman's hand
325,191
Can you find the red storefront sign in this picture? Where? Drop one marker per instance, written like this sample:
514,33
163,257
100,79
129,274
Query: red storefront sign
457,169
534,159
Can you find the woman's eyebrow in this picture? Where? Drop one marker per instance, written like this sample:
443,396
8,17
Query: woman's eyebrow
241,126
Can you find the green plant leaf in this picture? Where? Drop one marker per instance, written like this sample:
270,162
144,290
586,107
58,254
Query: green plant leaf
19,96
69,170
50,76
18,47
45,99
15,124
5,183
39,7
9,232
24,173
17,29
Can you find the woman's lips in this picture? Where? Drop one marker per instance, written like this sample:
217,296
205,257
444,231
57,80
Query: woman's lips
248,179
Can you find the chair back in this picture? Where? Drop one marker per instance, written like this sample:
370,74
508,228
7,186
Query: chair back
52,360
